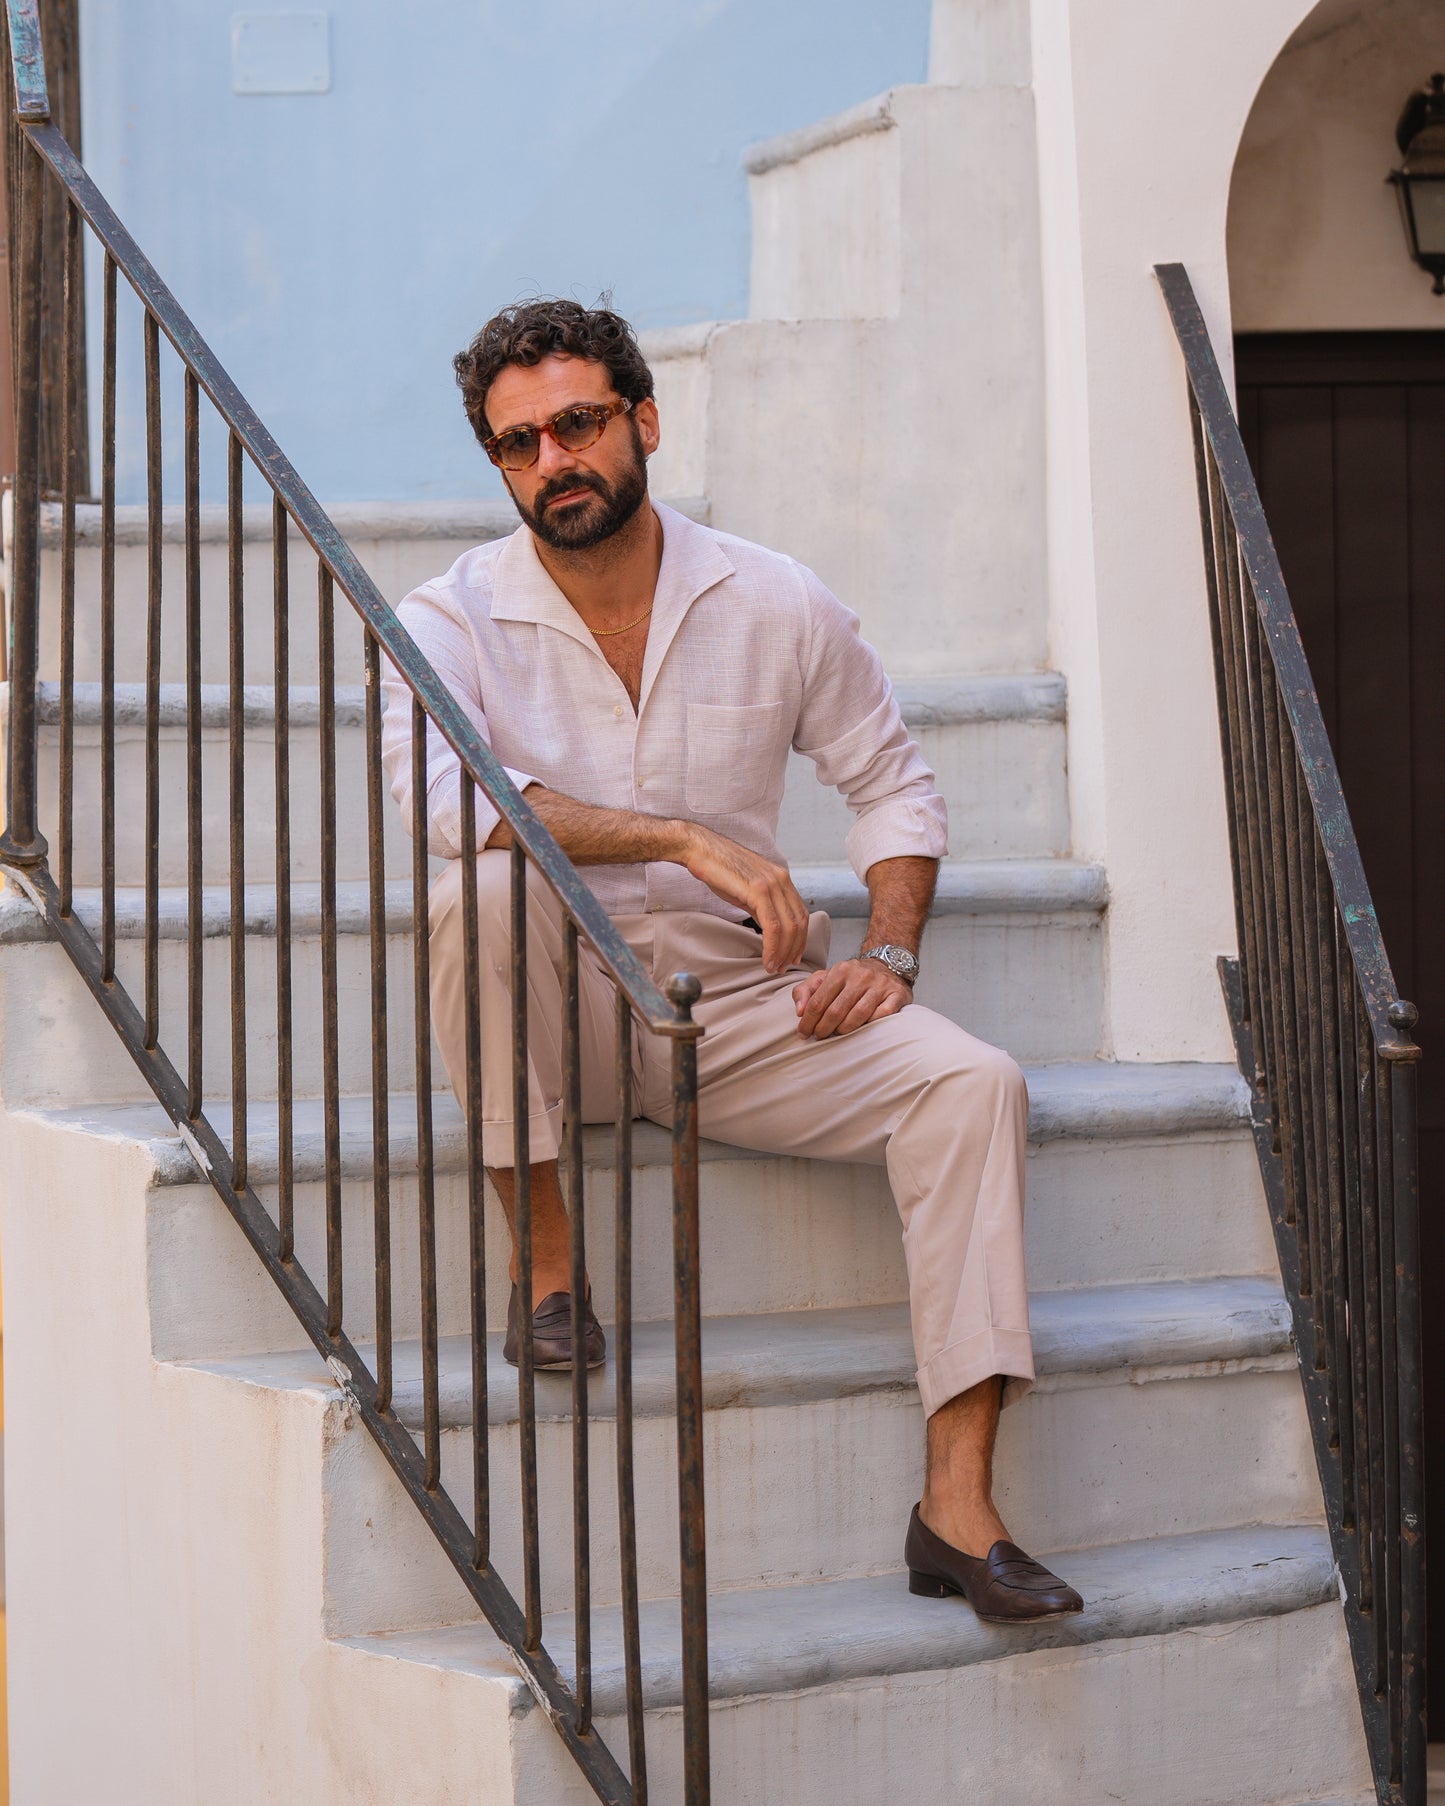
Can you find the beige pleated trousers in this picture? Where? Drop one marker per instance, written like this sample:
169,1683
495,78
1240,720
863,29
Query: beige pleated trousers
945,1113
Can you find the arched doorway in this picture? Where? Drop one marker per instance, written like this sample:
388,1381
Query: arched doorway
1340,371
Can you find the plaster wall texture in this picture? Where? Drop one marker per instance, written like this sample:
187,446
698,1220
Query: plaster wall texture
337,247
159,1710
1122,187
889,431
1315,239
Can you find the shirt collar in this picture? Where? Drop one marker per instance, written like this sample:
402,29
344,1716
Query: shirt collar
693,561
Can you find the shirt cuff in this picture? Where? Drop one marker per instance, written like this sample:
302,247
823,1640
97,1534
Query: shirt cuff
444,835
902,829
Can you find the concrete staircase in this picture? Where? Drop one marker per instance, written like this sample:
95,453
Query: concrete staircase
207,1547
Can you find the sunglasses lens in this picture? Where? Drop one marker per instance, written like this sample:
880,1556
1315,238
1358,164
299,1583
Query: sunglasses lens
515,451
577,429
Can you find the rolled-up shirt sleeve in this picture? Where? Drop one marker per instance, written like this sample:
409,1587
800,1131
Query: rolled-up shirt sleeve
445,641
851,727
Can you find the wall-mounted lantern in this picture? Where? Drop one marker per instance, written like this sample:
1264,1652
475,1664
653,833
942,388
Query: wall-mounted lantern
1420,179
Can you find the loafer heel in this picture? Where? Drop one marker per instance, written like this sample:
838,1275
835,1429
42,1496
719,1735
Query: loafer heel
926,1586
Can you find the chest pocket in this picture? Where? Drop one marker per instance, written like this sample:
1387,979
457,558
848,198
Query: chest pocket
732,753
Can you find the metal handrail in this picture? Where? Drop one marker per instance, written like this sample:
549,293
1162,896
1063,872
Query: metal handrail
478,760
38,152
1324,1037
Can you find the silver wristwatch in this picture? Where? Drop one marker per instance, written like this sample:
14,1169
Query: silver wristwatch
898,960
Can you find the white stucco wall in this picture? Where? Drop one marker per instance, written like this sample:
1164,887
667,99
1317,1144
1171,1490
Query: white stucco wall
1315,240
1140,110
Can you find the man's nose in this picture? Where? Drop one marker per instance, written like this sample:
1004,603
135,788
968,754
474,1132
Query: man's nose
552,458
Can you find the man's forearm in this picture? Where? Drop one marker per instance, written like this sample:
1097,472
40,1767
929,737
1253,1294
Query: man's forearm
589,835
900,895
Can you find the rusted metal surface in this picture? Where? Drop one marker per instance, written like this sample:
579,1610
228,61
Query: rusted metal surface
1326,1043
684,990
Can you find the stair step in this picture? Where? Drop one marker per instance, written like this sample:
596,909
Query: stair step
966,887
782,1358
996,743
1135,1174
1014,950
1159,1410
961,700
854,1690
401,544
786,1639
1087,1100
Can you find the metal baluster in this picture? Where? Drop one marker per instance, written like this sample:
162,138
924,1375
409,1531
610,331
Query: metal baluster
22,842
195,926
1233,799
476,1179
1268,1029
1373,1599
522,1208
236,551
1404,1104
1285,1089
626,1491
425,1181
1341,1358
154,503
1240,752
1304,1012
281,671
380,1078
683,991
581,1521
74,332
1390,1617
330,1025
107,632
1355,1257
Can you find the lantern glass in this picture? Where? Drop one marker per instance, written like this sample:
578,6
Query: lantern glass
1427,209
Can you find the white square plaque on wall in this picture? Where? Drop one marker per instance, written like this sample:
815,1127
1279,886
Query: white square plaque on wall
281,53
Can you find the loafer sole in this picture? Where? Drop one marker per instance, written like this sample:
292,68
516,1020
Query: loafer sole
929,1586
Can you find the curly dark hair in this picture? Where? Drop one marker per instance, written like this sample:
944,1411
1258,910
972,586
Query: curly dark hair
528,331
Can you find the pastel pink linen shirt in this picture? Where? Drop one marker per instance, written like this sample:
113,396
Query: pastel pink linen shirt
748,654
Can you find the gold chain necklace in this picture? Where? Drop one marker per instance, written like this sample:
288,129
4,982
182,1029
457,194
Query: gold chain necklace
607,633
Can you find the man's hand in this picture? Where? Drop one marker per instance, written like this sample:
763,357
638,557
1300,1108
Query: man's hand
760,886
845,996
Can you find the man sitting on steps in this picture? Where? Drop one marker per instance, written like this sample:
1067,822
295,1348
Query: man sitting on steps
643,678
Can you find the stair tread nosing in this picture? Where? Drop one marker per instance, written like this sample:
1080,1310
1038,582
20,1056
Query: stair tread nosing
955,700
965,887
827,1633
798,1357
1084,1100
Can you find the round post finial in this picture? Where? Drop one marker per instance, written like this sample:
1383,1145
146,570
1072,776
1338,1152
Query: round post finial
683,990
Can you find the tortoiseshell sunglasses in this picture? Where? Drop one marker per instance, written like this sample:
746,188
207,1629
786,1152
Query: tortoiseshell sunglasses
574,429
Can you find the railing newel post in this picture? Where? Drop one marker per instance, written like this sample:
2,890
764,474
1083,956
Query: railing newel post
683,991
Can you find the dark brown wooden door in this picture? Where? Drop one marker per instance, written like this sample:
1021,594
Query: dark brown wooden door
1346,432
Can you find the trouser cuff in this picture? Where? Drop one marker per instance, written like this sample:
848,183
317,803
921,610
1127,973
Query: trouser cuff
954,1369
544,1137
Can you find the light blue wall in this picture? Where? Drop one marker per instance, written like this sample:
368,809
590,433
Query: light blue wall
337,249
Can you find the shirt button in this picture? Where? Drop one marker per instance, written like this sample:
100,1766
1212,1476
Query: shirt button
618,709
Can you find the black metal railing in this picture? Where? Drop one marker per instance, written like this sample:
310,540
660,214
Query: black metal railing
1324,1039
43,859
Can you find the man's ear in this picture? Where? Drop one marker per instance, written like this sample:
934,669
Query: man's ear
649,427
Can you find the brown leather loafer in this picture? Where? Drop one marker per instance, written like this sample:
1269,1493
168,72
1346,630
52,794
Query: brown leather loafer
552,1333
1003,1587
